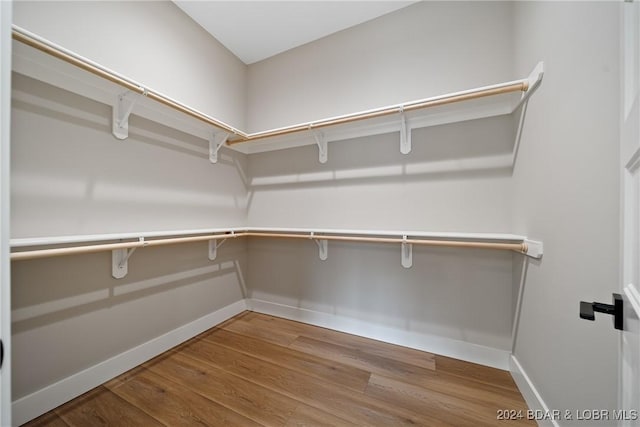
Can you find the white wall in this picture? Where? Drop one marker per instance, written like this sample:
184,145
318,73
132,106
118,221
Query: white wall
152,42
566,193
426,49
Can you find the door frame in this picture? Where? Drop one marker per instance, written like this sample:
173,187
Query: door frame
5,263
629,346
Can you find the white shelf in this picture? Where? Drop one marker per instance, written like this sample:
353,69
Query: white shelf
42,66
94,238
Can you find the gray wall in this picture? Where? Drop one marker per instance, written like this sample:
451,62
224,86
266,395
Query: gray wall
566,193
71,176
424,50
564,189
152,42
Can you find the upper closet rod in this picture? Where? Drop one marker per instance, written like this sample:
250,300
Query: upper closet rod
30,39
59,52
499,89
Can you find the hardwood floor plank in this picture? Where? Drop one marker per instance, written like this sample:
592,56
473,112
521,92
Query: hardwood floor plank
476,372
100,407
273,336
174,404
50,419
361,359
306,415
244,397
287,358
380,348
262,370
123,378
442,406
353,406
471,390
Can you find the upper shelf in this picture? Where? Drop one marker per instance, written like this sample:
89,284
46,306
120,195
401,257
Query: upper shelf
43,60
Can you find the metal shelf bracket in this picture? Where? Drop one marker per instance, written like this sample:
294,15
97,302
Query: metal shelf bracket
406,253
323,246
217,140
213,248
535,249
121,111
405,134
321,142
120,261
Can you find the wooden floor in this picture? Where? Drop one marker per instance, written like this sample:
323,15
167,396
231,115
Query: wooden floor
260,370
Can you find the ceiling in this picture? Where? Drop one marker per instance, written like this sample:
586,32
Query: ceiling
256,30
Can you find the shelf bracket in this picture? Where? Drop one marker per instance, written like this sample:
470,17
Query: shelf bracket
407,253
323,246
213,248
120,260
217,140
321,142
405,134
121,111
534,248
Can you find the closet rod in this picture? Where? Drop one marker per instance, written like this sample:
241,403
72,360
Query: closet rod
499,89
30,39
63,54
73,250
45,253
518,247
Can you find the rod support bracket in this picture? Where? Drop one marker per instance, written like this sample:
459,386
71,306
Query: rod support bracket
120,260
323,246
405,134
533,248
213,248
406,253
121,111
323,148
217,140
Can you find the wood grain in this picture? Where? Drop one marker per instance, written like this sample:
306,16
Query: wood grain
50,419
246,398
100,407
361,359
309,364
262,370
354,407
435,404
174,404
380,348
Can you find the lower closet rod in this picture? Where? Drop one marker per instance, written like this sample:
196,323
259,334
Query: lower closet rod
44,253
518,247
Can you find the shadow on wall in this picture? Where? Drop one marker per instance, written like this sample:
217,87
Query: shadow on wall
51,290
462,294
66,162
465,150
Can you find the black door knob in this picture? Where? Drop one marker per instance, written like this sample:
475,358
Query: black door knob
588,310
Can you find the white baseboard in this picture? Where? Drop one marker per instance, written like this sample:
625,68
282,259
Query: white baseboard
530,393
52,396
469,352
